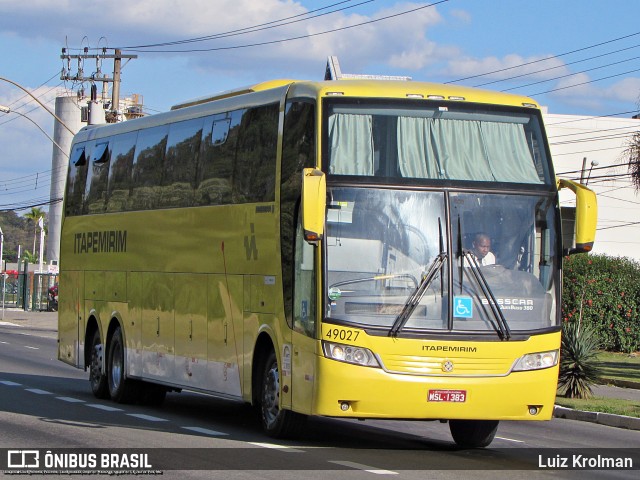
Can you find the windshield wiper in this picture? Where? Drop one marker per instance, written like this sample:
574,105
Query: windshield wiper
501,326
414,299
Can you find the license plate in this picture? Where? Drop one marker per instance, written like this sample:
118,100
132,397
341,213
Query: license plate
456,396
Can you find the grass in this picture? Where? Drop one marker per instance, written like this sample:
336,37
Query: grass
617,368
620,366
601,404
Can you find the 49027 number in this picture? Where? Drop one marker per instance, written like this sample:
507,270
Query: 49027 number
342,334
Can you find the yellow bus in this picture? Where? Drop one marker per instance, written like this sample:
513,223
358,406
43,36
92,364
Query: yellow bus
361,248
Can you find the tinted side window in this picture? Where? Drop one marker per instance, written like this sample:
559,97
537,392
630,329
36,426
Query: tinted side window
181,160
215,168
147,168
76,180
98,172
120,176
255,168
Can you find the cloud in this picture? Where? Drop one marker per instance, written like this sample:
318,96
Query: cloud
508,67
627,90
397,41
461,16
25,162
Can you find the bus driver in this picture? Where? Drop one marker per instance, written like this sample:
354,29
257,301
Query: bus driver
482,249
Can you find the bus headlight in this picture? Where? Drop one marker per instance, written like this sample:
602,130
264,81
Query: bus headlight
350,354
536,361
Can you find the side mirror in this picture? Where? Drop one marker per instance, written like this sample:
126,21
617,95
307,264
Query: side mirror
314,204
586,216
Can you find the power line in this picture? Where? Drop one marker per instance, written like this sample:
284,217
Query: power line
263,26
619,226
564,65
594,117
299,37
635,128
584,83
570,74
546,58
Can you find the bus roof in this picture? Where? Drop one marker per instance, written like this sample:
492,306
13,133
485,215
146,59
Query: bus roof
409,89
370,87
274,89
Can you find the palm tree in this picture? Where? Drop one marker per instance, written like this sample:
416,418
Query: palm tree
35,215
29,257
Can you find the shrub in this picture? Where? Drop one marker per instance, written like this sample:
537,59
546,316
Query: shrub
604,293
578,360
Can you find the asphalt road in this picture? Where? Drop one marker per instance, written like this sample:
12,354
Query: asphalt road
45,404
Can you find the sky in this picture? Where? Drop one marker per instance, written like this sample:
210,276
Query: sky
573,56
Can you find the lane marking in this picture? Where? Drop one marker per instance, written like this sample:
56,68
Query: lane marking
38,391
70,400
9,324
106,408
364,468
284,448
32,348
510,440
147,417
9,383
206,431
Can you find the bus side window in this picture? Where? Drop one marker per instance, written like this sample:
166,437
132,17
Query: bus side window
179,173
254,173
215,165
78,165
147,168
120,176
98,172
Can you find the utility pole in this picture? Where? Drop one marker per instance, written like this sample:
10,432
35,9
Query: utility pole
98,75
115,97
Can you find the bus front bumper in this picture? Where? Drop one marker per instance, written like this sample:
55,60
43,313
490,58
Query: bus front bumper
353,391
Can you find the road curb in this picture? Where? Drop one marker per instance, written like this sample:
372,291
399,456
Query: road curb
622,383
618,421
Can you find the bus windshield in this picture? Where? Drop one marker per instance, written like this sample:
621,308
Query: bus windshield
495,260
450,141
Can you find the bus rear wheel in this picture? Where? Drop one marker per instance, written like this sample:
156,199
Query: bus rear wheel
121,389
473,433
97,378
276,422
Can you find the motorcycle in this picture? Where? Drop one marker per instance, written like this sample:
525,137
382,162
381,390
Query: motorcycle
52,298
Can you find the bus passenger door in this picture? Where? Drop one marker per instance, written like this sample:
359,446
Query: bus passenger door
304,325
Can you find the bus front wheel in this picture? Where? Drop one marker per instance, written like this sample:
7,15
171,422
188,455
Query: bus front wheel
473,433
276,422
97,378
120,389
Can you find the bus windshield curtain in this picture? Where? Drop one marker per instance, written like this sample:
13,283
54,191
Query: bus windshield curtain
464,150
351,143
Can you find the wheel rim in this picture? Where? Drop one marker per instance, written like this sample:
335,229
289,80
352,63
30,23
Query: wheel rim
96,364
271,395
116,366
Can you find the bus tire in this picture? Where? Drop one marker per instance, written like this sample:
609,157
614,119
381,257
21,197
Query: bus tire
97,378
121,389
473,433
276,422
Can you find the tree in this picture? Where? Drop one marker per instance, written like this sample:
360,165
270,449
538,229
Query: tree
35,215
632,154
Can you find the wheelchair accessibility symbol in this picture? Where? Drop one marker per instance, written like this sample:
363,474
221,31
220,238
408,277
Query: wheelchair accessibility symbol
462,307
